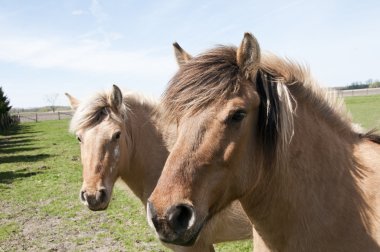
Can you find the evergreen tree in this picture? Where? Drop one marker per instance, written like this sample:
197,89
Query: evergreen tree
4,103
5,119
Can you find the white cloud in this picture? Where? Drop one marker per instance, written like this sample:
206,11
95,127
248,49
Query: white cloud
85,56
78,12
97,11
99,36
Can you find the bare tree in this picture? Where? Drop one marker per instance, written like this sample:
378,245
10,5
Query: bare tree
51,100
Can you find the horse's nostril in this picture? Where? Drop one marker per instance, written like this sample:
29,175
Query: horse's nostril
181,217
82,195
101,196
151,215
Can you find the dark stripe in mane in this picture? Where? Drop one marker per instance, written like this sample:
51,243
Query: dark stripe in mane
372,136
269,113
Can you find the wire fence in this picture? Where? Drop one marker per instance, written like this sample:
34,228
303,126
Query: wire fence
42,116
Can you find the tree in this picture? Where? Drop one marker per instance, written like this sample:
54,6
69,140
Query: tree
375,84
5,118
4,102
51,100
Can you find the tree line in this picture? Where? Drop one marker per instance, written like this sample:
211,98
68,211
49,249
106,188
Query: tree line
367,84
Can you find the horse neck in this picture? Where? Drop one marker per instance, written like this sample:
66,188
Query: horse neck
314,186
147,151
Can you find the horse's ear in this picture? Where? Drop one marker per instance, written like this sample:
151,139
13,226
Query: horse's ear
74,102
181,55
248,55
116,97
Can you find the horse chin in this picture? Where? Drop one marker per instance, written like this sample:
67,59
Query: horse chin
98,208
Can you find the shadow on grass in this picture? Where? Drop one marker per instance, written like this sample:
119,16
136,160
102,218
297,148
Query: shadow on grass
10,142
7,177
19,129
16,138
12,150
23,158
14,130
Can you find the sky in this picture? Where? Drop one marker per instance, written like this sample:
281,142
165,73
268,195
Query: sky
81,47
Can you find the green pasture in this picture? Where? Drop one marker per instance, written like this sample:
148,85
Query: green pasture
365,110
40,179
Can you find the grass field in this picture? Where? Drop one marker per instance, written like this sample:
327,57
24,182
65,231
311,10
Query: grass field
365,110
40,178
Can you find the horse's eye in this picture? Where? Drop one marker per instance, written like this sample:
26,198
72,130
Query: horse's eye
116,136
79,139
237,116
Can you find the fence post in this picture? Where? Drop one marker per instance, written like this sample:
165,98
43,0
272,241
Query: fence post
59,117
36,117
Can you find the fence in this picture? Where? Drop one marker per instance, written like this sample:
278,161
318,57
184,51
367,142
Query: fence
42,116
358,92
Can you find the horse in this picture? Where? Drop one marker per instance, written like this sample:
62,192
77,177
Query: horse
120,137
259,129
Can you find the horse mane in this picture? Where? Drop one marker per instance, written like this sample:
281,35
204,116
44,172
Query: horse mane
215,75
99,106
301,84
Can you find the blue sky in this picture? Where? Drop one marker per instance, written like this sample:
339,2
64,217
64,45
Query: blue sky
81,47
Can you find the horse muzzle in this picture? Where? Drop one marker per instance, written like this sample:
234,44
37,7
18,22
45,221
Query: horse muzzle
95,201
177,225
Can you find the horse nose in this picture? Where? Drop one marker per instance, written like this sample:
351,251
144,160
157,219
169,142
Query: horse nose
97,201
83,196
101,195
178,218
181,217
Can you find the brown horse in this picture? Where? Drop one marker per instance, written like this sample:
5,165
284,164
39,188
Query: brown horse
120,137
259,129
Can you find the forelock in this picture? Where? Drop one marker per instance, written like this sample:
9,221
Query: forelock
94,110
206,79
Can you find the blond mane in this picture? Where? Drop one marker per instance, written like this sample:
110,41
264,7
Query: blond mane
93,110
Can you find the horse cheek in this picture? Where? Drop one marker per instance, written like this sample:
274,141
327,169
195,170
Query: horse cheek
228,152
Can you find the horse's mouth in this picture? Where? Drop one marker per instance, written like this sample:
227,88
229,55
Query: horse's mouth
96,208
101,206
189,240
181,242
